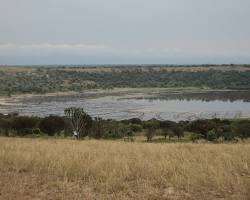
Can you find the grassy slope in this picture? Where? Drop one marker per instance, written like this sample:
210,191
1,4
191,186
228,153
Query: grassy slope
65,169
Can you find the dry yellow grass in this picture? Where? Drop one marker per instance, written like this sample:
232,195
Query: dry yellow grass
66,169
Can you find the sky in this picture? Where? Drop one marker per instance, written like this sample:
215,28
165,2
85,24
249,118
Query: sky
124,32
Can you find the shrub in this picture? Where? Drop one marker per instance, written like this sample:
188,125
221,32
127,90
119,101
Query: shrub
24,122
23,125
242,129
52,125
225,131
212,135
24,131
36,131
201,127
195,136
135,128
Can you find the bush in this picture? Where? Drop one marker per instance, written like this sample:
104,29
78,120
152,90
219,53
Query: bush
201,127
52,125
242,129
24,132
135,128
194,137
212,135
24,122
36,131
225,131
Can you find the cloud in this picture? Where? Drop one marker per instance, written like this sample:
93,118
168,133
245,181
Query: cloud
47,49
52,49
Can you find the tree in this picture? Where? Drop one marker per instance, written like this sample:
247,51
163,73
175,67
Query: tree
24,125
135,127
52,125
79,121
201,126
225,131
151,127
167,127
98,128
178,131
5,125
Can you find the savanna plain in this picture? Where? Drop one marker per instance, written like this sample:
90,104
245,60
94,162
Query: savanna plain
90,169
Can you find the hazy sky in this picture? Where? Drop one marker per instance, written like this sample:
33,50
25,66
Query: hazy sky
124,31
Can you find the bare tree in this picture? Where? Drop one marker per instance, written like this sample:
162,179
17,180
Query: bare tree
79,121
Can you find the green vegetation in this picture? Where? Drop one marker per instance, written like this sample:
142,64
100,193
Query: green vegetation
78,121
62,79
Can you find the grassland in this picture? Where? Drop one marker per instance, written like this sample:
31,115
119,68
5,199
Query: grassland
67,169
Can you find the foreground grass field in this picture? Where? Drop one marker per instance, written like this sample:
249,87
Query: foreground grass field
66,169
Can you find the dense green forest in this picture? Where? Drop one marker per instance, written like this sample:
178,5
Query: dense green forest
60,79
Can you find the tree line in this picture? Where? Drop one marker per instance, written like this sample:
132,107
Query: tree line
45,80
79,124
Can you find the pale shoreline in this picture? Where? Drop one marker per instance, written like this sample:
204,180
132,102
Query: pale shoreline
8,100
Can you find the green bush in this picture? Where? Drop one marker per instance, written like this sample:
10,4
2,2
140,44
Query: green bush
242,129
52,125
195,136
212,135
23,122
36,131
135,127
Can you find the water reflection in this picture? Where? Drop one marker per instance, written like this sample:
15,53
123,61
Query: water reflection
230,96
165,105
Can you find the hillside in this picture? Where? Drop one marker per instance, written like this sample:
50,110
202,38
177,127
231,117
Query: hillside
47,79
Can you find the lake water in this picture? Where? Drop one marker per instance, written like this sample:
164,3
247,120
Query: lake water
163,105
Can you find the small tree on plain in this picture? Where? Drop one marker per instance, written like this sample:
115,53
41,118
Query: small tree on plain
151,127
178,131
79,121
167,127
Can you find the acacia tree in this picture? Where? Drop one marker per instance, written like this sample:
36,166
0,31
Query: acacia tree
167,128
151,127
178,131
79,121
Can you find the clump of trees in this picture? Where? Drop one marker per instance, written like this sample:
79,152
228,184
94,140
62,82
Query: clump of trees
78,123
215,130
52,125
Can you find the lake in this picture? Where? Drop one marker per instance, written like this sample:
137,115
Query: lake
174,105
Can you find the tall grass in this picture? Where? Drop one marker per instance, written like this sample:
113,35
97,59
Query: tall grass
65,169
